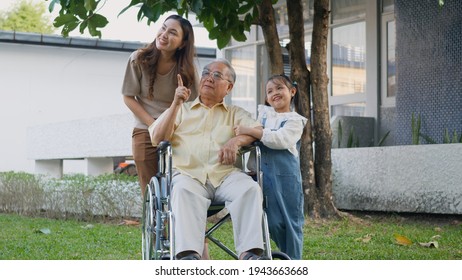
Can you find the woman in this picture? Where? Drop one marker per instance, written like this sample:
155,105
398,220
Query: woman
149,86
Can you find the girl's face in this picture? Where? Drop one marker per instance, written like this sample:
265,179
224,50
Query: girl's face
170,36
279,95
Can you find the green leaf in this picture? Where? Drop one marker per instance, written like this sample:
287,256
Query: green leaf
83,26
245,8
223,40
239,35
415,127
383,139
64,19
80,11
51,7
196,6
90,5
67,28
454,137
94,22
97,21
351,138
248,20
427,138
132,3
446,139
208,23
214,33
147,12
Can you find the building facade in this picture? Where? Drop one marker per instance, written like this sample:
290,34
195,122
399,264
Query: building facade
387,60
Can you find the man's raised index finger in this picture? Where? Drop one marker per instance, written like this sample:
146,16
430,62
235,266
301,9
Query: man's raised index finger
180,81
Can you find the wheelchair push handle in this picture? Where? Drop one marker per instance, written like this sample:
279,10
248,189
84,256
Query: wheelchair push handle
163,145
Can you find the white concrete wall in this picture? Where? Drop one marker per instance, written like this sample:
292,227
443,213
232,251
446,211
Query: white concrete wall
46,84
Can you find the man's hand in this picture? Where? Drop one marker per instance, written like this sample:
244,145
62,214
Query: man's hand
228,153
182,93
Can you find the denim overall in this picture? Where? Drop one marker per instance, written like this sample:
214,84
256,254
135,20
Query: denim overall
282,186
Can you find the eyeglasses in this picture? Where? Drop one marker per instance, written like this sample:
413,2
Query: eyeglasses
216,76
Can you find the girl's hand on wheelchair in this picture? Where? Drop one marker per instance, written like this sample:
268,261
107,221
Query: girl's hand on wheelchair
239,129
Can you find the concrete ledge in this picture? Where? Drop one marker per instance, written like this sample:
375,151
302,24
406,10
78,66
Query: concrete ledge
97,141
51,167
413,178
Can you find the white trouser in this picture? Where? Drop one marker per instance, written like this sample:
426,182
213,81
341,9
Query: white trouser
190,200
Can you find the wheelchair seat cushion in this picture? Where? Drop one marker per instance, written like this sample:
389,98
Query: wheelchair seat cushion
214,208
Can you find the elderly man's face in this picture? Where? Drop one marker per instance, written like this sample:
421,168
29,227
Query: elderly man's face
215,83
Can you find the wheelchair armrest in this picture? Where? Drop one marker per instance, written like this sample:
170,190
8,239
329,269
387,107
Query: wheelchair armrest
249,148
163,145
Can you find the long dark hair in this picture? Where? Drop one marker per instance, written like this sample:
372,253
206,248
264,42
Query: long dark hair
149,56
284,79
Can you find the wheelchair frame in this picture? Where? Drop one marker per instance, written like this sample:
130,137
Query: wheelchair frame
158,220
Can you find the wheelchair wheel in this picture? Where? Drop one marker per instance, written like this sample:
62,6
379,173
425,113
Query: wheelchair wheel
148,223
279,256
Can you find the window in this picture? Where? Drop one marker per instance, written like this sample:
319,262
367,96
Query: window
243,93
349,59
343,10
388,76
351,109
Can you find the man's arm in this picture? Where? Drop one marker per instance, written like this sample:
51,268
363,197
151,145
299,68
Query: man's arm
162,128
228,153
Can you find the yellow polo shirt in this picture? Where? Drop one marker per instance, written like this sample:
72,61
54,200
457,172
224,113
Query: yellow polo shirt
199,133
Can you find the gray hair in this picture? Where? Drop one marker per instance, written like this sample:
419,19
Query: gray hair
228,65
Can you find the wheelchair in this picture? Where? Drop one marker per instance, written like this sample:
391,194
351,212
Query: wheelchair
158,219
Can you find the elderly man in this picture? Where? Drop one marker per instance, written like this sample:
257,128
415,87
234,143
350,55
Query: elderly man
204,152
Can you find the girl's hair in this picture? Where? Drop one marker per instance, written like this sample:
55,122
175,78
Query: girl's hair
283,79
149,57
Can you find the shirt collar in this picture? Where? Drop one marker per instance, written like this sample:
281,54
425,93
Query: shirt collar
197,102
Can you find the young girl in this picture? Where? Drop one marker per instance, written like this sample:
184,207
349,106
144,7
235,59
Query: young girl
282,185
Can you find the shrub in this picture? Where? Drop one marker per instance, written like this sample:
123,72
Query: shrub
74,195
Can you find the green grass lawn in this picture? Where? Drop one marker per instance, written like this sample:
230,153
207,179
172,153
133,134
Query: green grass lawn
360,237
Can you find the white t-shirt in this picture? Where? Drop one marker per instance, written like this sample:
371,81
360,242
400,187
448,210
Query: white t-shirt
281,130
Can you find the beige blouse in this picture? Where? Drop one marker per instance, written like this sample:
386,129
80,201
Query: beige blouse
136,83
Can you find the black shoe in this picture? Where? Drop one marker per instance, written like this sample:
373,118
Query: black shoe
192,257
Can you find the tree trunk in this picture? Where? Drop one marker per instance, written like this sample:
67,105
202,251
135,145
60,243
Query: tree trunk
270,33
300,74
316,174
320,200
